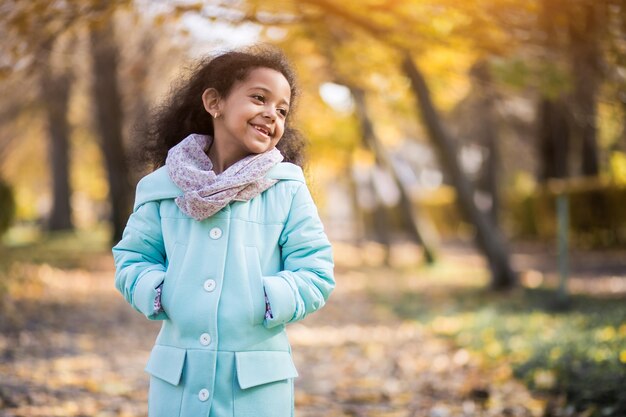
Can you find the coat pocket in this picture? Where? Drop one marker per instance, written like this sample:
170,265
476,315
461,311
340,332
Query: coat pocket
263,366
255,282
172,273
265,384
166,363
166,392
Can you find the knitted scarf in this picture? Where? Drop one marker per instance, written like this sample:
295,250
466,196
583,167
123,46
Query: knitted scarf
204,192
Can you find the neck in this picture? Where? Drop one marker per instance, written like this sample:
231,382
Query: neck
223,156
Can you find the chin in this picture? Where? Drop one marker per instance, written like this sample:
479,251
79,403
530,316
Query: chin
259,147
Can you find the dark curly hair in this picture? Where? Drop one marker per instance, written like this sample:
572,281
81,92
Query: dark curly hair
183,113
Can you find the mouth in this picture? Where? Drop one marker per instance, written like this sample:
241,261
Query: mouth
263,130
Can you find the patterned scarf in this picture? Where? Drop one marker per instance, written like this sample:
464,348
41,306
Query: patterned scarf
206,193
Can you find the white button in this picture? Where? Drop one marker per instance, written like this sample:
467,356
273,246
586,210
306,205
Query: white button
215,233
203,395
205,339
209,285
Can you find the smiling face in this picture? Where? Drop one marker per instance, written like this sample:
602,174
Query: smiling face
251,119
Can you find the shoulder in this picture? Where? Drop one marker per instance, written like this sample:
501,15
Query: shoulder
290,180
286,171
156,186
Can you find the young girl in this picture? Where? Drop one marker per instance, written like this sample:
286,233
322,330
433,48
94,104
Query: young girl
225,245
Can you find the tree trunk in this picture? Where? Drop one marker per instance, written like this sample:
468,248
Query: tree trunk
139,107
422,232
493,171
585,63
359,215
488,236
553,140
381,223
55,90
621,142
108,111
554,123
482,78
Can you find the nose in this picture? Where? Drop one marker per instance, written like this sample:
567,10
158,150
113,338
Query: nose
270,114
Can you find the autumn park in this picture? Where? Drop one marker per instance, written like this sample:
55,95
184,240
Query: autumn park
467,160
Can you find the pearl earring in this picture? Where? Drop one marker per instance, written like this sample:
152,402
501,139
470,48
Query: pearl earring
216,115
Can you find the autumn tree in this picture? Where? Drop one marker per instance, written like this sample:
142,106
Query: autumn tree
32,31
488,237
567,46
400,26
109,113
55,84
419,228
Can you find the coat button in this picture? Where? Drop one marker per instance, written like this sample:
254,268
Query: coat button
215,233
205,339
203,395
209,285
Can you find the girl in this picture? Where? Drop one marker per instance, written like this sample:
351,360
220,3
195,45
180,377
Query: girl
224,244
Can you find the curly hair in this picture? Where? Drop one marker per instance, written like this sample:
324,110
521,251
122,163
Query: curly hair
183,113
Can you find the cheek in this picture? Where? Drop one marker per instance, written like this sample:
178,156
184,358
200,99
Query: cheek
279,137
281,127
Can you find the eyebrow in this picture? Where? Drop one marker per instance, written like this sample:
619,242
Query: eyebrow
267,90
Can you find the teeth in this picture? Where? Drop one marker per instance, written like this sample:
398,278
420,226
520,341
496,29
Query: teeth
260,129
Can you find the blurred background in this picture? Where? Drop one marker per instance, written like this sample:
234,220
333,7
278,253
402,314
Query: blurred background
468,160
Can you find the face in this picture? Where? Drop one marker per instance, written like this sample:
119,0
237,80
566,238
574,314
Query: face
252,117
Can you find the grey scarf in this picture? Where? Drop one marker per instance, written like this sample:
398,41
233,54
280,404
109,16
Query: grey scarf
206,193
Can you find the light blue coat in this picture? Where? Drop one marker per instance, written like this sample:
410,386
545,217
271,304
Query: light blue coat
216,355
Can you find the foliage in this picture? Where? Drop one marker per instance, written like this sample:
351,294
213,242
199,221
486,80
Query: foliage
30,28
26,244
439,205
595,205
597,219
63,357
580,353
24,250
7,206
618,168
576,353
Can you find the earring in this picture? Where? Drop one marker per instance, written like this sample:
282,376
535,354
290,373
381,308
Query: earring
216,115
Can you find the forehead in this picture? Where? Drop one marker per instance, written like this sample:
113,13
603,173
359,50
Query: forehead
267,79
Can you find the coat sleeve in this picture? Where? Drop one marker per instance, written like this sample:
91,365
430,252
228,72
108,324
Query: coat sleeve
140,260
307,279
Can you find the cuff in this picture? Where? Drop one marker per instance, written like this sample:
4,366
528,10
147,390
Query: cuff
281,299
145,293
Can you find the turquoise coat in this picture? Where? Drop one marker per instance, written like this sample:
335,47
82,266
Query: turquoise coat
216,354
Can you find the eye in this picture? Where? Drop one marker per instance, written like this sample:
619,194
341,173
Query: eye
258,97
283,112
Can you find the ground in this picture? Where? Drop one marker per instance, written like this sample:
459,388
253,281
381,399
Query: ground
71,346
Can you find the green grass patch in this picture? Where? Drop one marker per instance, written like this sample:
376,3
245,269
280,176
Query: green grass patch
579,353
59,249
22,249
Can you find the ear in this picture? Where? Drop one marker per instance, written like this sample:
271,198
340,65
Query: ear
212,101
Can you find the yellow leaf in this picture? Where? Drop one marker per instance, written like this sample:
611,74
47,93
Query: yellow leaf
544,378
493,349
606,334
555,353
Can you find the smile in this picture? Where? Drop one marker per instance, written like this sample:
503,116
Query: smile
265,131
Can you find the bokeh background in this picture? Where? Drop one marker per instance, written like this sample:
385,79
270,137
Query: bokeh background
468,160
